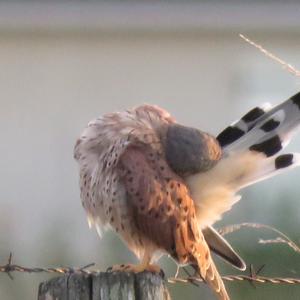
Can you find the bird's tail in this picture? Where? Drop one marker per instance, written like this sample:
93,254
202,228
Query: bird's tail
265,131
215,281
208,271
190,239
251,149
212,277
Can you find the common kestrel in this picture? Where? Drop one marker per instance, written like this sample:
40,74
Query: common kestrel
161,185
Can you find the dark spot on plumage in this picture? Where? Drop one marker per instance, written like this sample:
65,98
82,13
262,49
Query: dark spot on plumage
253,115
229,135
184,257
268,147
142,207
130,179
140,199
172,185
122,226
173,248
169,208
188,150
270,125
179,201
162,168
296,100
283,161
112,219
185,208
156,215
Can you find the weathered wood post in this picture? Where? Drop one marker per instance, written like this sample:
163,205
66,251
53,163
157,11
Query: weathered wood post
105,286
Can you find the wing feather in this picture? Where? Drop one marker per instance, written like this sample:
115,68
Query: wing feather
165,213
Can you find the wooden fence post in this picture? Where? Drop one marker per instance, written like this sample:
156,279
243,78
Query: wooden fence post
105,286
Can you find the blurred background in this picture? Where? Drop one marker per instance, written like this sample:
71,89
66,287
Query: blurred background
63,63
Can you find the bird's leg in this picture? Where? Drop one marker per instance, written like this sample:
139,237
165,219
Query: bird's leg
143,266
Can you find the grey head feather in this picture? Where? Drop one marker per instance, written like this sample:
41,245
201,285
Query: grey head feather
189,150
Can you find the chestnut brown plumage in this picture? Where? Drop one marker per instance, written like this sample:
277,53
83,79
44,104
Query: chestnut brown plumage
161,185
126,182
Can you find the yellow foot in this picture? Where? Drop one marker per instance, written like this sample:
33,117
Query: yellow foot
136,269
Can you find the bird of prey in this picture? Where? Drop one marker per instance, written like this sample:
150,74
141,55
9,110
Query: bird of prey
161,185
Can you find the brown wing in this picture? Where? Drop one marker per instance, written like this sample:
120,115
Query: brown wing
164,211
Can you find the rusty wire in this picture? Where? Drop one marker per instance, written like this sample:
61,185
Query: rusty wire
249,278
253,277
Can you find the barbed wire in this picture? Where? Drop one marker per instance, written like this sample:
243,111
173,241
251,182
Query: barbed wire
256,279
253,277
